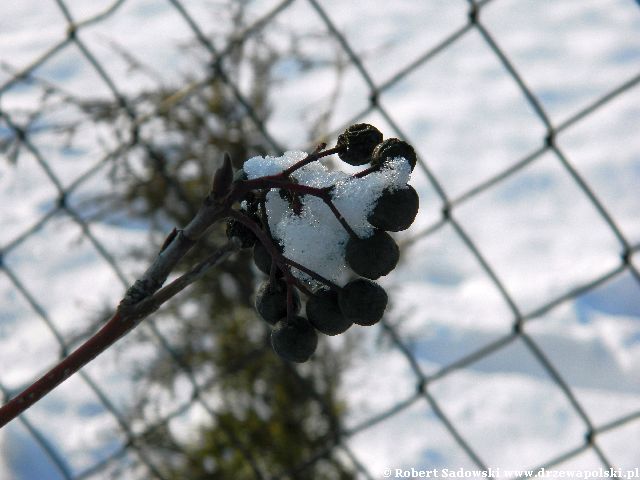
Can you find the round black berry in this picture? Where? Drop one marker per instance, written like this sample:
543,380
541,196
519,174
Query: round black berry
294,340
393,148
243,233
395,210
271,301
325,315
374,256
358,142
363,301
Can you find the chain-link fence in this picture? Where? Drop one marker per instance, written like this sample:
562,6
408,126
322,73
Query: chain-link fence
400,97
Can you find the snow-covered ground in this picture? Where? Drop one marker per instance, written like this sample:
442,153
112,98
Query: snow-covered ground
462,110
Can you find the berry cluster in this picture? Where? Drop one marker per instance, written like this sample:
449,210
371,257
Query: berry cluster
324,234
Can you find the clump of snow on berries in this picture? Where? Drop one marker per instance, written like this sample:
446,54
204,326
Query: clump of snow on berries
315,238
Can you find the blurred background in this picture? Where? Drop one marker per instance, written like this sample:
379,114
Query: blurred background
513,336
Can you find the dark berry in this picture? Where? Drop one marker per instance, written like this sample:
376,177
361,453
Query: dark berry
374,256
243,233
325,315
395,210
271,301
294,340
393,148
363,301
358,142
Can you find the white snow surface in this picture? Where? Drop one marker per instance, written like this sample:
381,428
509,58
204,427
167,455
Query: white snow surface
468,121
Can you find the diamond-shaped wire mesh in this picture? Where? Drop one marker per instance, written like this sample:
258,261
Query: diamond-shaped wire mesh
528,135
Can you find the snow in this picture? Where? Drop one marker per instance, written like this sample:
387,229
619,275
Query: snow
468,121
257,167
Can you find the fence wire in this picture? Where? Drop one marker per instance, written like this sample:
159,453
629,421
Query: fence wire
375,94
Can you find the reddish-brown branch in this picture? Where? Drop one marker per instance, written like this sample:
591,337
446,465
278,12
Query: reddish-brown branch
366,171
317,154
290,302
115,328
317,277
124,320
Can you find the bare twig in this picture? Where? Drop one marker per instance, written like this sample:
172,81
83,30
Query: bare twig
143,298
